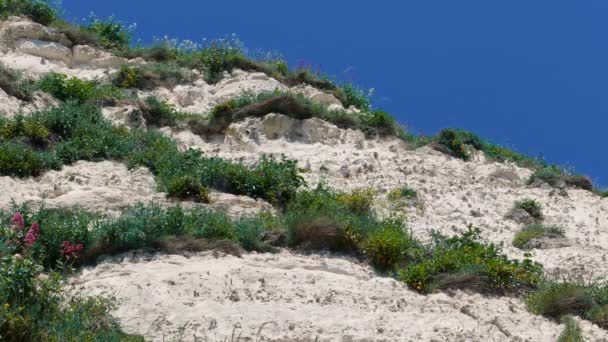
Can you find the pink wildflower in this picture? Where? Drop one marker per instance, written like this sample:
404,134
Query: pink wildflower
32,235
17,221
70,251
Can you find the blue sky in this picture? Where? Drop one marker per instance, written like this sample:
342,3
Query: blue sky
531,75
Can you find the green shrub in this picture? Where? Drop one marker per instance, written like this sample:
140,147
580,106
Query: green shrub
455,142
463,262
32,305
40,11
18,159
403,192
188,188
159,113
152,75
572,331
112,34
535,231
557,176
390,245
555,300
359,201
65,88
27,127
15,84
127,77
75,89
350,95
217,57
532,207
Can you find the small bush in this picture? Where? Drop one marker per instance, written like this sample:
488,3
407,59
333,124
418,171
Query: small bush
40,11
532,207
463,262
152,75
75,89
455,142
558,177
33,307
403,193
188,188
112,34
572,331
18,159
15,84
555,300
158,113
65,88
350,95
359,201
535,231
318,232
390,245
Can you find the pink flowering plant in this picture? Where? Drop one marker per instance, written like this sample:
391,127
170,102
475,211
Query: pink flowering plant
18,237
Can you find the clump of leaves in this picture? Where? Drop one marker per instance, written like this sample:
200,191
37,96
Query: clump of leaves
350,95
112,34
532,207
455,142
188,188
404,192
390,245
557,177
555,300
74,89
572,331
463,262
40,11
151,75
359,200
15,84
536,231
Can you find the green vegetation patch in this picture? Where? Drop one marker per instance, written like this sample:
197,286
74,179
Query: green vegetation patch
536,231
40,11
532,207
152,75
32,305
74,89
15,84
557,299
79,132
296,106
572,331
464,262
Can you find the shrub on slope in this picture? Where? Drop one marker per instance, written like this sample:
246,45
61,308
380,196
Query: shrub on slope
79,132
40,11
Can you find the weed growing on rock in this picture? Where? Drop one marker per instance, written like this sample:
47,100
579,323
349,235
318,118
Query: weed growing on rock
15,84
40,11
555,300
532,207
188,188
463,262
111,33
535,231
572,331
74,89
298,106
81,133
559,177
151,75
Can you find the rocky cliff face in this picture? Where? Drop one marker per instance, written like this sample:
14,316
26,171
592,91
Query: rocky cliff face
289,296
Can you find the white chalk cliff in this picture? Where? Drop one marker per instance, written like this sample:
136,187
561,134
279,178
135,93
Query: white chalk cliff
299,297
